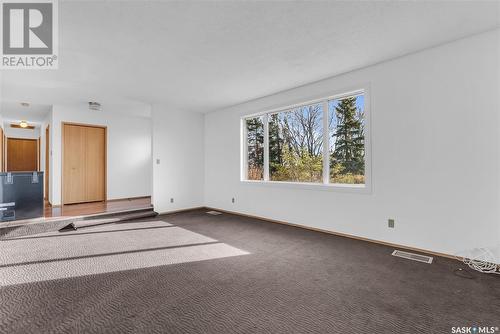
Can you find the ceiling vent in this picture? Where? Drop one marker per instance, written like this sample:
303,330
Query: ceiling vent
413,256
96,106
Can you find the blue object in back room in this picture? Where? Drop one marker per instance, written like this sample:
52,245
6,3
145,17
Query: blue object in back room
21,195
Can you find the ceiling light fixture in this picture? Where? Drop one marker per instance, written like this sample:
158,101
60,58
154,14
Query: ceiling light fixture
23,124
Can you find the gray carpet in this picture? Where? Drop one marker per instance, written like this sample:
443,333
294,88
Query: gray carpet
246,276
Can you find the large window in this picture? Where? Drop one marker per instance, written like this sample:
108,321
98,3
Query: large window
322,142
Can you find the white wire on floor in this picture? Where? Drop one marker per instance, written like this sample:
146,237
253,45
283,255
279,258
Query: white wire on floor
482,260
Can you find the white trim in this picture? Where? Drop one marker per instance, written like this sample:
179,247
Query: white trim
326,144
337,94
265,119
368,138
349,188
364,89
244,150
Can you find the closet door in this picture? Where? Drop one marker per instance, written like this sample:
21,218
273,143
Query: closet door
74,174
84,163
95,164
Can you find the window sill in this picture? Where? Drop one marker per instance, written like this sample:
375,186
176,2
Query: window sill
348,188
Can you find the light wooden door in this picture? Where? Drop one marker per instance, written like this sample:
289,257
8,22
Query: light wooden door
22,155
95,158
4,153
84,164
1,151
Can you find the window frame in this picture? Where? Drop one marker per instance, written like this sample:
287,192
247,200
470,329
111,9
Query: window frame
325,185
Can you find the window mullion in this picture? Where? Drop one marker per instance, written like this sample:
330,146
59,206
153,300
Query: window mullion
326,144
244,143
266,147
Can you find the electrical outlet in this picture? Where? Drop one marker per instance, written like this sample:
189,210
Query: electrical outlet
390,223
172,200
157,161
232,200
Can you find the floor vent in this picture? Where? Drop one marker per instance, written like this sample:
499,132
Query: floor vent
412,256
214,213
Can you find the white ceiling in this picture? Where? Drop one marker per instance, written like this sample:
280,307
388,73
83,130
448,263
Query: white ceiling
15,112
203,56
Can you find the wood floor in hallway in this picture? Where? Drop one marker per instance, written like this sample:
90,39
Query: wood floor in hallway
96,207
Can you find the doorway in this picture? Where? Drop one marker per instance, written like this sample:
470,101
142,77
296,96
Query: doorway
22,155
47,164
84,163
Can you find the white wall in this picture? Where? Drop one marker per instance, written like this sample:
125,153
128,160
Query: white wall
21,133
43,142
48,121
498,104
435,153
128,149
178,143
1,98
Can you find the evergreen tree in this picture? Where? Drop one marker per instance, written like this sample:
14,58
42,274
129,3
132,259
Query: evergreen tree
255,142
348,155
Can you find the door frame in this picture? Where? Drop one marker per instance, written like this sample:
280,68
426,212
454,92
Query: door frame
39,153
105,156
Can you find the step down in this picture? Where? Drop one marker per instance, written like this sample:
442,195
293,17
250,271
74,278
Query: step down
65,223
73,226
